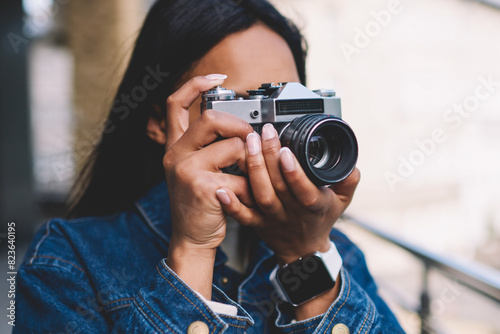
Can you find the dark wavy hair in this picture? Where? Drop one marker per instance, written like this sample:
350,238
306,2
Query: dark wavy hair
126,163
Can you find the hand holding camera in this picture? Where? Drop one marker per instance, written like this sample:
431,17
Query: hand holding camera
304,145
192,164
277,197
308,122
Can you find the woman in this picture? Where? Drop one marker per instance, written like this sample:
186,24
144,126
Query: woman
144,255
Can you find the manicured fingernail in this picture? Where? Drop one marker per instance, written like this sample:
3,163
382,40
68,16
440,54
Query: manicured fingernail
223,196
268,131
253,144
287,159
216,77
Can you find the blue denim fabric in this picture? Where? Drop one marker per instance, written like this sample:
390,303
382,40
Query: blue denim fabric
109,275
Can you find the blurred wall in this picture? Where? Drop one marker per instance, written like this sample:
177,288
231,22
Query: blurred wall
101,36
408,73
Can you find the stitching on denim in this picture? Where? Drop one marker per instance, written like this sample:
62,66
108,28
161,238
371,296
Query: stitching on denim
40,242
233,325
183,294
118,307
363,325
373,318
156,315
235,318
147,316
210,311
345,301
57,258
118,300
186,297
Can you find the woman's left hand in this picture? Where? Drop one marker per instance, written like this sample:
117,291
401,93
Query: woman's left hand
292,215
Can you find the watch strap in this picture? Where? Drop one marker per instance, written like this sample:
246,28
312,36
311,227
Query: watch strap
333,261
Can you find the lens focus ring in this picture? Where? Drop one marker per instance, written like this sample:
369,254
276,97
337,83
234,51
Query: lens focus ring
325,146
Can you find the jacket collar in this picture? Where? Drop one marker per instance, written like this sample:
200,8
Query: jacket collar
154,209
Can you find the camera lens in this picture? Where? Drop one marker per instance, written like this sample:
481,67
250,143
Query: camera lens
323,150
325,146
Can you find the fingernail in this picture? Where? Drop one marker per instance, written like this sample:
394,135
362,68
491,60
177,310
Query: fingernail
268,132
253,144
216,77
223,197
287,159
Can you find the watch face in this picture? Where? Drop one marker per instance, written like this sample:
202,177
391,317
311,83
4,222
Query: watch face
305,278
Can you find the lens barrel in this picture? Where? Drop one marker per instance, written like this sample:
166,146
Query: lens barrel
324,145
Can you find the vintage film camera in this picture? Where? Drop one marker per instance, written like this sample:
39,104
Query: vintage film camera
308,122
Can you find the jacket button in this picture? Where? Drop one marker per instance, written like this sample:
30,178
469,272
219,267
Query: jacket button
339,329
198,327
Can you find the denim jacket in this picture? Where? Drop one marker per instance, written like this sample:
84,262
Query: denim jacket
109,275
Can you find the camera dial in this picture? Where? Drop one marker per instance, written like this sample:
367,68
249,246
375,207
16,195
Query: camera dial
325,92
219,94
256,94
270,88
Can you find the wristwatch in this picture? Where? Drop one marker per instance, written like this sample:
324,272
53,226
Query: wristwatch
307,277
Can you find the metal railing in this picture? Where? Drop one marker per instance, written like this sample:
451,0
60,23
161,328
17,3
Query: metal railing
479,278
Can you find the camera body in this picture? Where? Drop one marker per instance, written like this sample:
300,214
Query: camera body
308,122
273,103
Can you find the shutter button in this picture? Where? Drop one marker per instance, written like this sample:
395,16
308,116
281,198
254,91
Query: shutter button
340,329
198,327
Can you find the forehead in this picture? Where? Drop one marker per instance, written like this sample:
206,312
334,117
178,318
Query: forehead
249,58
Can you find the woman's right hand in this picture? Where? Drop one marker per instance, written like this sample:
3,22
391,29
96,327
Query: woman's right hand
193,163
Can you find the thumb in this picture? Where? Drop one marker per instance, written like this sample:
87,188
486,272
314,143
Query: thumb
345,189
179,102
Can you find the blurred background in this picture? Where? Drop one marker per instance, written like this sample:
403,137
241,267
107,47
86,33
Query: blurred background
420,86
